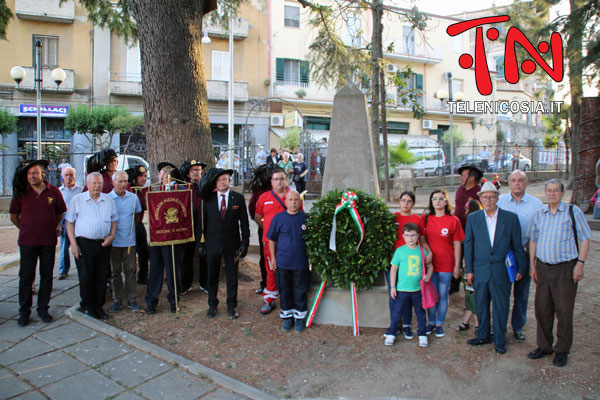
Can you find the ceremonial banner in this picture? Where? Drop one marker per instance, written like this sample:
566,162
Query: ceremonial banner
170,217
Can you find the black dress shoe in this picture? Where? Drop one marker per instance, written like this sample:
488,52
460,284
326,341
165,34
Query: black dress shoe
538,353
500,348
212,311
101,315
23,320
90,313
519,335
560,359
173,308
44,316
233,314
478,342
259,290
142,281
150,310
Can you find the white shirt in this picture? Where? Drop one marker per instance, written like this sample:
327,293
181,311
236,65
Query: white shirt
219,199
92,219
491,225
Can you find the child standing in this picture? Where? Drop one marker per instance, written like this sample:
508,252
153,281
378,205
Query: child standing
407,268
290,262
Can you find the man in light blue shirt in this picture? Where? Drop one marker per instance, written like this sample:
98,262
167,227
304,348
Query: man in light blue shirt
68,190
91,226
559,241
485,158
525,206
122,257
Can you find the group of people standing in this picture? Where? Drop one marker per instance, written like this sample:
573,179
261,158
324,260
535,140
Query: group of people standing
548,243
104,230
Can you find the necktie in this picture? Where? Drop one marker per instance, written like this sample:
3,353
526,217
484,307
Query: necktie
223,206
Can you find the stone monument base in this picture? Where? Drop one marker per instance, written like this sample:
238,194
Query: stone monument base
336,307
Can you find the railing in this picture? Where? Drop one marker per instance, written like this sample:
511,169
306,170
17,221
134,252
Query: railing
125,76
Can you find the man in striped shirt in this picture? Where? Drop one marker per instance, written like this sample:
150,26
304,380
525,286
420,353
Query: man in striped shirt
557,256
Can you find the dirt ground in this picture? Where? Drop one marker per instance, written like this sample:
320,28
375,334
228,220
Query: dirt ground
328,362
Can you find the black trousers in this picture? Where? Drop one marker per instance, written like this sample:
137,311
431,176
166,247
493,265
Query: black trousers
261,263
231,277
191,259
161,262
293,286
29,260
141,247
93,268
300,186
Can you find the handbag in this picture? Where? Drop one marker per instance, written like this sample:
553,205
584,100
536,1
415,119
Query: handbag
428,292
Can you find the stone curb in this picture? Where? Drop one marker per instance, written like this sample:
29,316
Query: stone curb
192,367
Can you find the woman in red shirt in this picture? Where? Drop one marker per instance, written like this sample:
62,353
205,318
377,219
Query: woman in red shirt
444,234
407,201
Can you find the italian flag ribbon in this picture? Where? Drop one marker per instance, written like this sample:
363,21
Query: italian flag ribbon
348,201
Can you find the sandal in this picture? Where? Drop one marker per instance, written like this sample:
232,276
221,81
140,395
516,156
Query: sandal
463,327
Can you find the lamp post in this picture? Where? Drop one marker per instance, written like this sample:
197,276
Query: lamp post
230,133
58,76
442,95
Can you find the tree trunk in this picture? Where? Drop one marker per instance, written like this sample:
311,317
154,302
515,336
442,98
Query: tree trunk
386,155
376,57
173,81
584,184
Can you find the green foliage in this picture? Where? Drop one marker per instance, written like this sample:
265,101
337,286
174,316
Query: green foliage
5,16
458,139
102,122
400,155
344,266
126,123
407,97
79,119
291,139
116,15
8,122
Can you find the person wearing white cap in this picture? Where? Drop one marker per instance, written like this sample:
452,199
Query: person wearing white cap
490,234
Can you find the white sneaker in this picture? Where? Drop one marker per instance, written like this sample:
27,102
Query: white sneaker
423,341
389,340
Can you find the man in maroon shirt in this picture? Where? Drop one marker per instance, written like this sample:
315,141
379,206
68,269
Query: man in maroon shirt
36,209
470,176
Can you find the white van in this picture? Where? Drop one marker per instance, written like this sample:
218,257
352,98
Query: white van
126,161
430,153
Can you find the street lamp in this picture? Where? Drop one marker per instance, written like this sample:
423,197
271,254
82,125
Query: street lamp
58,75
442,95
205,38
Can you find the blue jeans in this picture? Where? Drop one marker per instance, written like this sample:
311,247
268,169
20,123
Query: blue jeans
521,297
65,257
437,314
406,311
400,305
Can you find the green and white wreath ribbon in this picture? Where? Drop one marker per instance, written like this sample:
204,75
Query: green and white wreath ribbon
348,201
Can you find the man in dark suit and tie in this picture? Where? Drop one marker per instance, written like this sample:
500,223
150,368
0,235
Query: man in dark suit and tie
490,234
221,220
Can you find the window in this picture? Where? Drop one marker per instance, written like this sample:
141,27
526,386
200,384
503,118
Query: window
292,72
291,16
457,44
413,82
318,123
500,67
49,50
457,86
134,67
408,40
220,65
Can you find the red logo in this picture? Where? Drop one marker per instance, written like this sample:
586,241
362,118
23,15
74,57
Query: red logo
511,67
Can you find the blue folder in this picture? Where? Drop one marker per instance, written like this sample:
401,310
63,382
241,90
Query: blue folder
511,266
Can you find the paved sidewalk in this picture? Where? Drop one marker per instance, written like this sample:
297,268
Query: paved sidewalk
79,357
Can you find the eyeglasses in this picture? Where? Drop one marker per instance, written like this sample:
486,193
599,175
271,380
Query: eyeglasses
410,235
278,179
553,190
488,198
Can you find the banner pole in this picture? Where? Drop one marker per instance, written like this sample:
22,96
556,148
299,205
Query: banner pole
175,280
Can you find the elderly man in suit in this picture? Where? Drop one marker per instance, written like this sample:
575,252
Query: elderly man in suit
490,234
223,218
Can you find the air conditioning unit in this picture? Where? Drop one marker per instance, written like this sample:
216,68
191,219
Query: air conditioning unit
427,124
392,68
276,120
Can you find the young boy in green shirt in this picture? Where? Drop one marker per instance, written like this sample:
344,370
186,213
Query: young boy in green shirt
405,286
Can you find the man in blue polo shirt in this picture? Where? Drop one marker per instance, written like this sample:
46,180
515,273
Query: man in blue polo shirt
122,256
290,262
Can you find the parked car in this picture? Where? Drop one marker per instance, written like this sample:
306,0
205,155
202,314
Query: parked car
459,161
524,163
126,161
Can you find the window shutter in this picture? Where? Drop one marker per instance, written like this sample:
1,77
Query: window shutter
500,67
279,65
304,71
419,81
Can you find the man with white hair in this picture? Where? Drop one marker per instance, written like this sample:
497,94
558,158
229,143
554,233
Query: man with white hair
525,206
91,226
68,190
122,256
490,235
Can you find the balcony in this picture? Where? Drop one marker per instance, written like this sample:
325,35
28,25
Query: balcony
125,84
218,90
240,29
48,85
418,55
45,10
